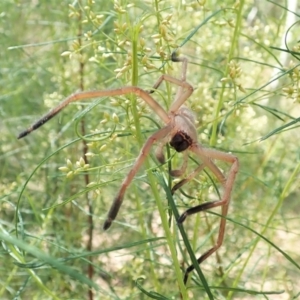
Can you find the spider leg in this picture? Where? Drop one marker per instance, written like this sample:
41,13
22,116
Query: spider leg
160,134
159,151
184,89
188,178
184,61
156,107
179,92
161,158
183,93
174,58
206,155
182,169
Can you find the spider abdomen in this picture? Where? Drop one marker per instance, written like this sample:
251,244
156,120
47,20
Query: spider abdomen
181,141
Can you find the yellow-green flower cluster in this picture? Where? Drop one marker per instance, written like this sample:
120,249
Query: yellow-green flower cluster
72,169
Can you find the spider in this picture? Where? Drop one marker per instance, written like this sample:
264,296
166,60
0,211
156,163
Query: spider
180,132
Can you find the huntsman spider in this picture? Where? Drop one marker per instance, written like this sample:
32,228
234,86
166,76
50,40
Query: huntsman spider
180,132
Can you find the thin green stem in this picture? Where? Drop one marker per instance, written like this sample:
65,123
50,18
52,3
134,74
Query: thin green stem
139,137
184,236
151,178
213,138
11,242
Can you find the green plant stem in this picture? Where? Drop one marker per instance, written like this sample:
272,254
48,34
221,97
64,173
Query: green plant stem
151,178
184,236
12,242
213,138
138,132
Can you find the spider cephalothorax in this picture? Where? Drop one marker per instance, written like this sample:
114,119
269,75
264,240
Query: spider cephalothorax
179,130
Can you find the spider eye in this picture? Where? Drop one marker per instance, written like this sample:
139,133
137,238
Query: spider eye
180,141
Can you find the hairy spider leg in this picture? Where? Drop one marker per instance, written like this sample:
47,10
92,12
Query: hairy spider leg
191,176
156,107
179,172
184,60
160,134
206,155
184,92
184,88
179,93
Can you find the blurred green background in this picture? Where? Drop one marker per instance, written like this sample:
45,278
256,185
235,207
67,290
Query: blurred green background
244,68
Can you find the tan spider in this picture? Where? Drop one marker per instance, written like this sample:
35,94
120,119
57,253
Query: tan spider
180,132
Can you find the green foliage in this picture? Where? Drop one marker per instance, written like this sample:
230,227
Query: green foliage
58,183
